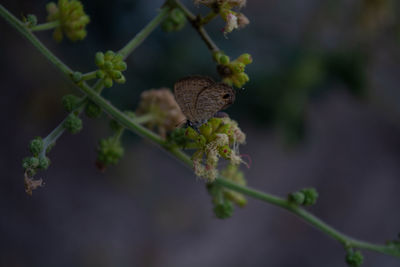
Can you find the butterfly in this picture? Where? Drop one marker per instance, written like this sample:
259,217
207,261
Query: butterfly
200,98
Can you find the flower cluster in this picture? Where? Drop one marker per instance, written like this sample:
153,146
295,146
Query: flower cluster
110,66
71,17
219,137
234,20
305,197
38,161
162,106
232,72
223,198
354,258
175,21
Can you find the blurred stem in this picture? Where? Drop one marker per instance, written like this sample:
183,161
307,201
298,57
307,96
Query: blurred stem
139,37
25,31
135,127
209,17
45,26
89,76
197,24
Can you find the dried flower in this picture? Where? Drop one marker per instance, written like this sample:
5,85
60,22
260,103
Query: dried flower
161,105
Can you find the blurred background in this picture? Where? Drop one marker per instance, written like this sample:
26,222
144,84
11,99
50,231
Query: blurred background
321,110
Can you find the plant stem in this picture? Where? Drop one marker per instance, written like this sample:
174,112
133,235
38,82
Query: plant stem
134,126
24,30
89,76
209,17
139,37
45,26
196,23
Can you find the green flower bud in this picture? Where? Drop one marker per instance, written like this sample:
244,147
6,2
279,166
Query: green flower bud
201,140
100,74
310,196
70,102
117,58
225,151
206,129
109,55
238,67
191,133
354,258
92,110
36,146
109,151
168,25
245,59
215,123
30,163
121,66
71,17
177,16
77,76
108,82
226,129
31,20
121,79
115,126
44,163
73,124
108,65
178,137
296,198
33,162
306,197
242,78
224,210
224,59
115,74
99,59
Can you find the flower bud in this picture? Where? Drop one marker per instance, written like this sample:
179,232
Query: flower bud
191,133
245,59
44,163
92,110
99,59
36,146
70,102
31,20
100,74
77,76
73,124
354,258
108,82
206,129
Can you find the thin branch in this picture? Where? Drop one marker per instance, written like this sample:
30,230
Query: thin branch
196,23
45,26
142,35
134,126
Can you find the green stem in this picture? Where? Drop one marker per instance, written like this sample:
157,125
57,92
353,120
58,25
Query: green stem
139,37
89,76
134,126
45,26
24,30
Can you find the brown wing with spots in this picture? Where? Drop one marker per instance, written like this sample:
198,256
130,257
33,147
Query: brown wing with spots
212,99
186,91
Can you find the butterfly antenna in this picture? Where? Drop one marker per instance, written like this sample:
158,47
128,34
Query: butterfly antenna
248,164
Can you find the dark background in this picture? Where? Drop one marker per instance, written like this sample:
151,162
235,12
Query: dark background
321,110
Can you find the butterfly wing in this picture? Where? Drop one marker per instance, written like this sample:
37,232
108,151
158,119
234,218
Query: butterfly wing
212,99
186,91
